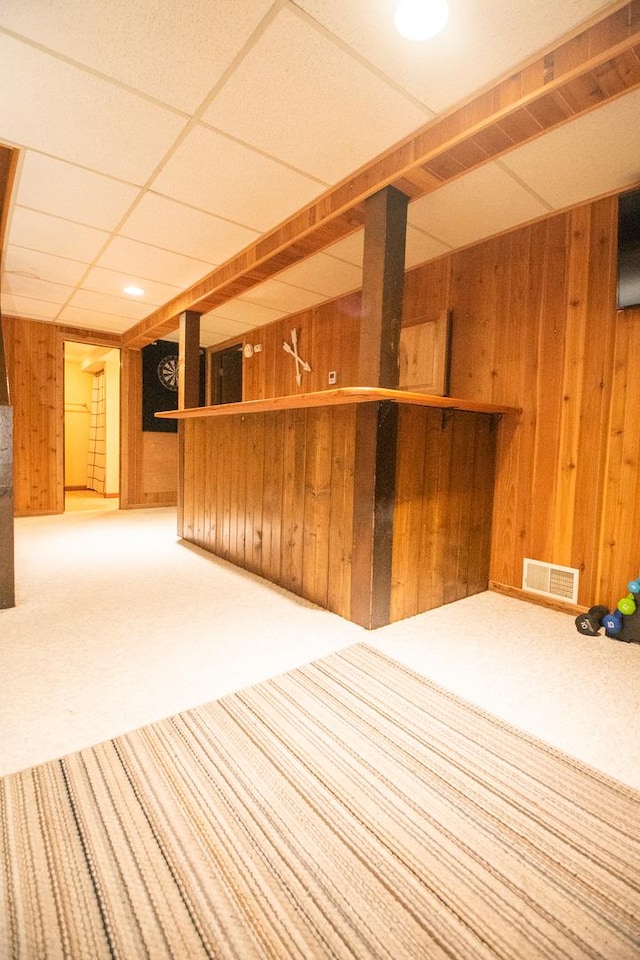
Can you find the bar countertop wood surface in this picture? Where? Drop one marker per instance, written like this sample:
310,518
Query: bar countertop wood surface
341,395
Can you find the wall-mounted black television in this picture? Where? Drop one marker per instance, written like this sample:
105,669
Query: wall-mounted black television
629,250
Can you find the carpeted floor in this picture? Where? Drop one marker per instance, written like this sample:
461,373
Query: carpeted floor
346,809
118,625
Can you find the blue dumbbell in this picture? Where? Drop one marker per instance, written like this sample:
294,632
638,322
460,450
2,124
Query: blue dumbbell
612,623
634,586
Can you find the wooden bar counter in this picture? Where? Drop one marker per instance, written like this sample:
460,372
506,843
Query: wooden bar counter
288,488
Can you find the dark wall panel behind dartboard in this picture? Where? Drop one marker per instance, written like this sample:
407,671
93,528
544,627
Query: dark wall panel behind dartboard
160,384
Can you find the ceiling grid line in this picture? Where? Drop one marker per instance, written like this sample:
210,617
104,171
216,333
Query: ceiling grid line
225,151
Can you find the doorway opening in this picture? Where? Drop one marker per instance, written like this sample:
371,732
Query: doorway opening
91,427
226,375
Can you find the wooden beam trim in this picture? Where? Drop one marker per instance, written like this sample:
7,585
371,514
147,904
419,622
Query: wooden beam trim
590,48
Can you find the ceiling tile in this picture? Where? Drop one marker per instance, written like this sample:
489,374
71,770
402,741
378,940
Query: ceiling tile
222,328
42,266
326,128
421,247
251,314
480,42
281,296
211,338
31,287
94,319
323,274
112,131
350,248
142,261
172,52
65,190
112,282
218,175
39,231
104,303
482,203
592,155
176,227
27,307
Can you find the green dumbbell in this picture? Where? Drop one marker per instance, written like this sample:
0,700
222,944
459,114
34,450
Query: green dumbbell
627,605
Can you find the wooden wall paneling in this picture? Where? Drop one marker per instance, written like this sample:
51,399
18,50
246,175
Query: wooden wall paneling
255,491
159,468
363,513
595,405
427,291
262,383
264,466
293,498
227,452
148,461
458,507
269,458
329,336
241,434
249,533
274,486
433,524
130,427
35,368
443,508
550,245
347,340
236,452
200,475
479,535
218,469
276,374
341,517
620,533
236,486
317,506
572,382
260,465
180,491
187,527
315,349
515,366
472,334
208,456
321,349
408,557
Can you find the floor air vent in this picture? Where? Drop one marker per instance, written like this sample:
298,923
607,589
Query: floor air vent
550,580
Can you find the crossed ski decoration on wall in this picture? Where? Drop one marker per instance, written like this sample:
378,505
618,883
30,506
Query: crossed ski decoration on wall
292,350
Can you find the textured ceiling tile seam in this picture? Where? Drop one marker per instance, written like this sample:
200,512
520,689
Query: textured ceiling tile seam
358,57
93,72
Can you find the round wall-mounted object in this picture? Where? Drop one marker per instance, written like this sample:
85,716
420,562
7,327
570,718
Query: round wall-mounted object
248,350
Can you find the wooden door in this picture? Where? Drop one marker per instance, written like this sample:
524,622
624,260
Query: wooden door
226,375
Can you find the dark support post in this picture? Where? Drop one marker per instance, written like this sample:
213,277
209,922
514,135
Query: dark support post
188,390
385,230
189,360
7,574
377,424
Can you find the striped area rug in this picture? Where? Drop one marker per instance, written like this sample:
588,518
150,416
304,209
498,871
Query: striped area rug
347,809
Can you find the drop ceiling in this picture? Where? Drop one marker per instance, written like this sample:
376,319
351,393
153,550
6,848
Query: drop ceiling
157,141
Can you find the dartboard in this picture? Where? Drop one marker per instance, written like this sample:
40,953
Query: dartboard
168,372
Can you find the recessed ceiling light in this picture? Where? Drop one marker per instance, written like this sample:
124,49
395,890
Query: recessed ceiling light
133,291
421,19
